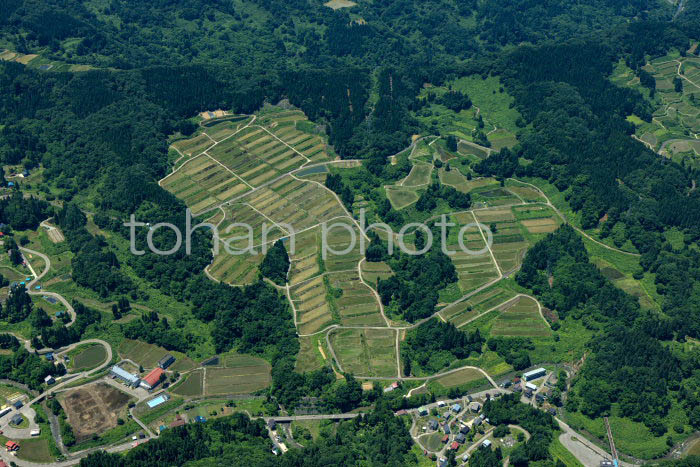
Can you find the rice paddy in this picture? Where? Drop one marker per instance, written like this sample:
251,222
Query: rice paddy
464,312
229,158
366,352
521,318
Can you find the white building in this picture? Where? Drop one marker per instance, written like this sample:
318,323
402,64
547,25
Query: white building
534,374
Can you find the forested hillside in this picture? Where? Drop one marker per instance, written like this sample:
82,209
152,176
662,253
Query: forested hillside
368,77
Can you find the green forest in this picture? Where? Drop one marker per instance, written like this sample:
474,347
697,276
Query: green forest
128,78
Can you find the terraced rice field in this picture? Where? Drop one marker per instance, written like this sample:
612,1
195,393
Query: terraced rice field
235,269
461,313
229,159
203,183
453,178
366,352
373,271
401,197
353,301
299,204
419,175
310,299
475,267
520,319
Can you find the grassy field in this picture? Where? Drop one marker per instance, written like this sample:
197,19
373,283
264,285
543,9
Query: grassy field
148,355
310,356
87,357
520,319
559,452
459,378
401,197
366,352
191,386
236,374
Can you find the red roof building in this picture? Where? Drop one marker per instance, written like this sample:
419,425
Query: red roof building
11,446
445,438
454,446
179,421
152,379
3,463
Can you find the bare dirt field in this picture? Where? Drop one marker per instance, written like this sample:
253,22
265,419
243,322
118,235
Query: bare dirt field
93,409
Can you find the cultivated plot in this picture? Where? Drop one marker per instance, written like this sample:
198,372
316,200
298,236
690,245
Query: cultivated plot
236,374
366,352
464,312
520,318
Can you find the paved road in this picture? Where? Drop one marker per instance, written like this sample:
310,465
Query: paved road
37,278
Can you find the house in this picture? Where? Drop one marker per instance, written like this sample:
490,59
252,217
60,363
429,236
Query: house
271,424
456,408
531,386
552,411
200,419
49,356
162,428
18,405
441,404
539,397
5,410
35,432
516,380
16,419
460,438
152,379
454,446
517,388
49,380
442,462
477,421
445,438
124,376
446,429
486,443
179,421
464,430
534,374
465,458
433,424
475,407
11,446
423,411
166,361
447,416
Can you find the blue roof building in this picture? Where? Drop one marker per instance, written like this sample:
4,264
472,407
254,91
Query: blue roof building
200,419
456,408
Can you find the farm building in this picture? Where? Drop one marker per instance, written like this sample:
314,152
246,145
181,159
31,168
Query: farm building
445,438
441,404
166,361
49,356
474,407
11,446
534,374
200,419
179,421
16,419
152,379
5,410
123,375
486,443
49,380
422,411
531,386
446,429
35,432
